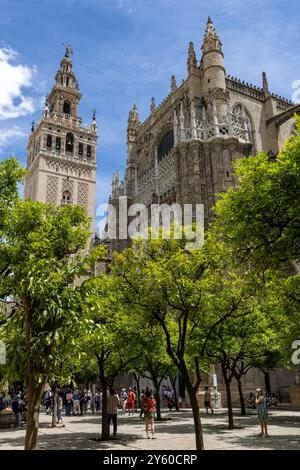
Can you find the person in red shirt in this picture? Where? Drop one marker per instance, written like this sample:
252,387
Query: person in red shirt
150,410
130,401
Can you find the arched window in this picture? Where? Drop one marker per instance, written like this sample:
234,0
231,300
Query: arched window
49,140
67,108
166,144
66,198
242,127
69,142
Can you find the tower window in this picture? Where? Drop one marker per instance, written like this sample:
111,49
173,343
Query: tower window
80,149
67,81
89,151
49,140
58,143
66,198
67,108
69,142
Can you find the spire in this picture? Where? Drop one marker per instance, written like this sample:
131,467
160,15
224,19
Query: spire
65,75
211,39
133,124
94,121
265,84
133,118
173,84
153,107
192,60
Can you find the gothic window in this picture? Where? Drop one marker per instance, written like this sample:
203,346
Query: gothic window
49,140
67,108
89,151
80,148
166,144
67,81
69,142
242,123
58,143
66,198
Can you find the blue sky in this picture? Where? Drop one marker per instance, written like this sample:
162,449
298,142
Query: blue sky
125,52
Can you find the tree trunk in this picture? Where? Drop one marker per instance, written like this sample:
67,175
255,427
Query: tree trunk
267,383
54,409
196,414
137,381
34,396
229,400
158,408
242,400
105,428
173,383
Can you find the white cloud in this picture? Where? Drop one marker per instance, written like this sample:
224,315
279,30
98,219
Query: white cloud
13,78
6,135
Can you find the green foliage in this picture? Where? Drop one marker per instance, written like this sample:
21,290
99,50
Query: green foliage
261,217
11,173
41,261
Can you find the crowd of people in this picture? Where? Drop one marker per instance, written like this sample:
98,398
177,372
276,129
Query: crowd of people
15,401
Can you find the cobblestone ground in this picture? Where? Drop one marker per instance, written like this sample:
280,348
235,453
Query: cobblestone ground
174,432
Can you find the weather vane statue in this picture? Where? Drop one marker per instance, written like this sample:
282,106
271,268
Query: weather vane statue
69,50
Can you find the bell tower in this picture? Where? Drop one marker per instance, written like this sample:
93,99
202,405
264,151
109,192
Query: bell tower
61,153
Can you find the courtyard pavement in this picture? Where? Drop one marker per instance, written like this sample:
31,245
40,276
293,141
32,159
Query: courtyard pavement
175,432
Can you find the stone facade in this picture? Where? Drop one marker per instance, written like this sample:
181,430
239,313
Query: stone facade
61,153
183,152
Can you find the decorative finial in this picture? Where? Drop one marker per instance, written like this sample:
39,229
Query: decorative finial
211,39
153,107
32,126
192,60
265,83
94,114
173,84
69,51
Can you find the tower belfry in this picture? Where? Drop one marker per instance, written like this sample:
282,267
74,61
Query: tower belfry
61,153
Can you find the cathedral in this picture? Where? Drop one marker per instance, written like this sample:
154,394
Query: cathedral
183,152
61,153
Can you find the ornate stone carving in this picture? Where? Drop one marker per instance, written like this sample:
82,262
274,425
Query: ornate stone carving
52,189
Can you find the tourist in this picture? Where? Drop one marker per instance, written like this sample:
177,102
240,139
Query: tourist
149,414
76,403
69,400
17,409
130,401
123,400
97,399
60,404
207,401
113,402
262,412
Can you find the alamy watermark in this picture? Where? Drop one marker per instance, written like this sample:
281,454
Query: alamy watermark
2,353
139,221
296,354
